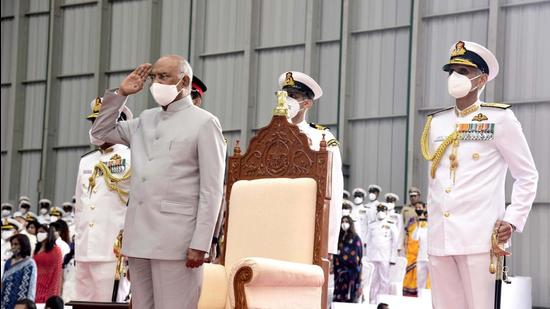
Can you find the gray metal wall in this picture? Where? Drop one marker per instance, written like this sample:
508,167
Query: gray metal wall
378,61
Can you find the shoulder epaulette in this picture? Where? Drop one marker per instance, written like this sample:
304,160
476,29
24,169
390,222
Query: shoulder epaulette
333,142
317,126
441,110
496,105
89,152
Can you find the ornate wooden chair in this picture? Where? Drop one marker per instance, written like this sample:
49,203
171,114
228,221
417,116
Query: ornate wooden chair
275,249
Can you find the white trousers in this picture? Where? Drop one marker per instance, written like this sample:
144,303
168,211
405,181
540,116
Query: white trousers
164,284
421,274
94,281
380,280
462,282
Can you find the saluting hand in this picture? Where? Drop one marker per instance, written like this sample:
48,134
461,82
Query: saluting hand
504,230
195,258
134,82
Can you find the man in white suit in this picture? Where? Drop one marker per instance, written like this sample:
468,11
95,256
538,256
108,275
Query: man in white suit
178,157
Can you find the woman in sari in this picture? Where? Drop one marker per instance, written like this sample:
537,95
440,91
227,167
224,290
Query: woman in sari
414,228
347,264
48,258
19,280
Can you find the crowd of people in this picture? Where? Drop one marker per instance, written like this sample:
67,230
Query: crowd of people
37,252
376,232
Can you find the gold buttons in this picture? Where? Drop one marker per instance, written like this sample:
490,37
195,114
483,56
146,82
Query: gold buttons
475,156
448,190
92,207
446,214
91,224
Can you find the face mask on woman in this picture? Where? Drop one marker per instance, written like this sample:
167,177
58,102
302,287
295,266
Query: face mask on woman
345,226
41,236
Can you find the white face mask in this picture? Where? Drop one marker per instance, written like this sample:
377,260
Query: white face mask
390,206
293,107
346,212
23,211
459,85
53,218
381,215
165,94
357,200
372,197
43,211
6,213
41,236
95,141
345,226
7,234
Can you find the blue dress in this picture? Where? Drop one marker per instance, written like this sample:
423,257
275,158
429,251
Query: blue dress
19,282
347,269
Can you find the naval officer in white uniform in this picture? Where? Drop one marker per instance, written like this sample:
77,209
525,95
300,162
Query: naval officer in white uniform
302,91
471,146
101,193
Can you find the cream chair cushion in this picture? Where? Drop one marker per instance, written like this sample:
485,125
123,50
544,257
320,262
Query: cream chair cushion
214,287
272,218
280,284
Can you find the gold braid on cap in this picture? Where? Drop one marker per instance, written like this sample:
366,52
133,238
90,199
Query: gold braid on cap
110,180
438,154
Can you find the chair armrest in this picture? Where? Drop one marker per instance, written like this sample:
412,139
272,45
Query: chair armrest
268,280
214,287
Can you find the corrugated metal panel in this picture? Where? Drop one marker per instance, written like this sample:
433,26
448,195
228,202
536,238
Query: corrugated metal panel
80,39
30,173
130,31
66,173
4,196
6,40
8,7
379,13
379,70
530,252
328,104
226,18
378,154
525,73
6,110
330,19
440,34
76,94
5,105
137,102
37,52
282,22
442,7
271,64
227,88
39,5
34,115
175,27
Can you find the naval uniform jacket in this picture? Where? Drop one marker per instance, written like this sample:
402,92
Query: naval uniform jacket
462,212
99,210
178,162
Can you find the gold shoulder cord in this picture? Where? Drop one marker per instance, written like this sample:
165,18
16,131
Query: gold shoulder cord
110,180
438,154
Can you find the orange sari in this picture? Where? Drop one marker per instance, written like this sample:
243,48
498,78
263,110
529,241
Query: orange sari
411,249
